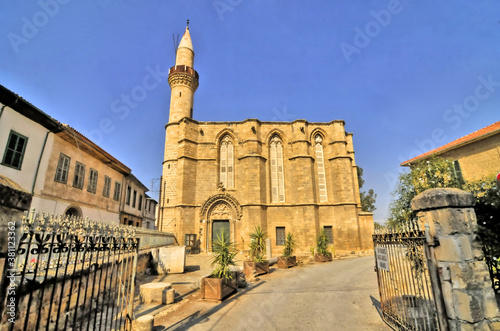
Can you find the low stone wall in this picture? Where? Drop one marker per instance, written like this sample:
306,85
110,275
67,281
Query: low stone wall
154,239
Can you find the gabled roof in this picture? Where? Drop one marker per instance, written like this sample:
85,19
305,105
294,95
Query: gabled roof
483,133
88,146
23,107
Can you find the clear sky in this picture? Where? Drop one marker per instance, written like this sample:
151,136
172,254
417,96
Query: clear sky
406,76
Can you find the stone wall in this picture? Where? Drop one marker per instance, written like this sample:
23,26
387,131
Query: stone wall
469,300
191,176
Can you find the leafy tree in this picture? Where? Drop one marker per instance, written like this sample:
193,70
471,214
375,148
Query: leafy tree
432,173
367,199
487,210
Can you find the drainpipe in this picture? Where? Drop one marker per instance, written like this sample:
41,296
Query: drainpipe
39,161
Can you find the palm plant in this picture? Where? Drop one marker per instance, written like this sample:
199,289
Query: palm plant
223,258
289,245
257,244
322,243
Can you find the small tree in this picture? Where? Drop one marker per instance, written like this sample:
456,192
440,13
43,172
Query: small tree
487,210
257,244
289,245
322,243
223,258
368,199
432,173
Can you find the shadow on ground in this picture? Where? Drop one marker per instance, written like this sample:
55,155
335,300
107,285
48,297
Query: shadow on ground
198,317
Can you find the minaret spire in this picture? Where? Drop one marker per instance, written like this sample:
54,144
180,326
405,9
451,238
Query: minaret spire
183,80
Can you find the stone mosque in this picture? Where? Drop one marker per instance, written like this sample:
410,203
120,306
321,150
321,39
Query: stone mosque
288,177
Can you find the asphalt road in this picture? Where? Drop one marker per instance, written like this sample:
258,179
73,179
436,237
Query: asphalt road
340,295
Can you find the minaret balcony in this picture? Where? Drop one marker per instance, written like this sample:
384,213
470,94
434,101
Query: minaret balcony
183,69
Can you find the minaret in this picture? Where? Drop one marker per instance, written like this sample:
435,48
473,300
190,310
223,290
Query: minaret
183,80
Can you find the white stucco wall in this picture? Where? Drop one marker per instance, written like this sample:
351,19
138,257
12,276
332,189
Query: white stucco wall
12,120
58,207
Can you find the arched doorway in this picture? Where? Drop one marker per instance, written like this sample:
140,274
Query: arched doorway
73,211
220,213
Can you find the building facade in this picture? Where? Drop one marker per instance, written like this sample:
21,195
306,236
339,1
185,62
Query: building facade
296,177
475,156
66,173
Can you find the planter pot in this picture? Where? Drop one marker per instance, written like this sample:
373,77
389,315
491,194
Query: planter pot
217,288
286,262
322,257
255,268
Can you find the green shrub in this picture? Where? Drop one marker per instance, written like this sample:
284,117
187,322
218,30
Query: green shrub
257,244
223,257
289,245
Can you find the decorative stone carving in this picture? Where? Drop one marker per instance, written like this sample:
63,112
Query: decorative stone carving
179,78
232,205
221,210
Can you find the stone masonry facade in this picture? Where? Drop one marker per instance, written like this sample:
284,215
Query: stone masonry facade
296,177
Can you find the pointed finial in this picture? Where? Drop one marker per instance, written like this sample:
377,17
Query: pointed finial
188,23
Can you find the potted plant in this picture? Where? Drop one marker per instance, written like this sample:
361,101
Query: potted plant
322,254
222,281
257,265
287,260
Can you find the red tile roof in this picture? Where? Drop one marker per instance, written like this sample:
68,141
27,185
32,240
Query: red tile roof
474,136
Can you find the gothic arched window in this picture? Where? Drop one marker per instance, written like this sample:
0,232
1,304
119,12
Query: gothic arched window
323,197
227,162
277,173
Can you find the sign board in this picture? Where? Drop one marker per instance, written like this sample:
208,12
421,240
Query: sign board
382,258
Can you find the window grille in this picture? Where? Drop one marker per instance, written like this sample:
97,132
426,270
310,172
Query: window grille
280,236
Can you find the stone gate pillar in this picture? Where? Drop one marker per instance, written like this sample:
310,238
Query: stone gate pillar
469,299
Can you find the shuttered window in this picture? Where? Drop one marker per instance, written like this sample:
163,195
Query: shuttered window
62,168
79,175
107,186
92,186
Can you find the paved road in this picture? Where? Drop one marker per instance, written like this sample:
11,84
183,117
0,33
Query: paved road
340,295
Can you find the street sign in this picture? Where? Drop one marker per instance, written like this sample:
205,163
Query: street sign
382,258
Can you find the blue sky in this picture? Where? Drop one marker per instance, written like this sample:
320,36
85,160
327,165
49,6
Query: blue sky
406,76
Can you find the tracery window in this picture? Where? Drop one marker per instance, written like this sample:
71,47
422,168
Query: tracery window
227,162
277,173
318,140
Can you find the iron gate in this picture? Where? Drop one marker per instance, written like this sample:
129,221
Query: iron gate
70,274
406,292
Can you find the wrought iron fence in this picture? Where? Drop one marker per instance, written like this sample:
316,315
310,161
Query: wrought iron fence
406,291
491,256
70,274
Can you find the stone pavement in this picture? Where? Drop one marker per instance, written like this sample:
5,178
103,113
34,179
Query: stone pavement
188,308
